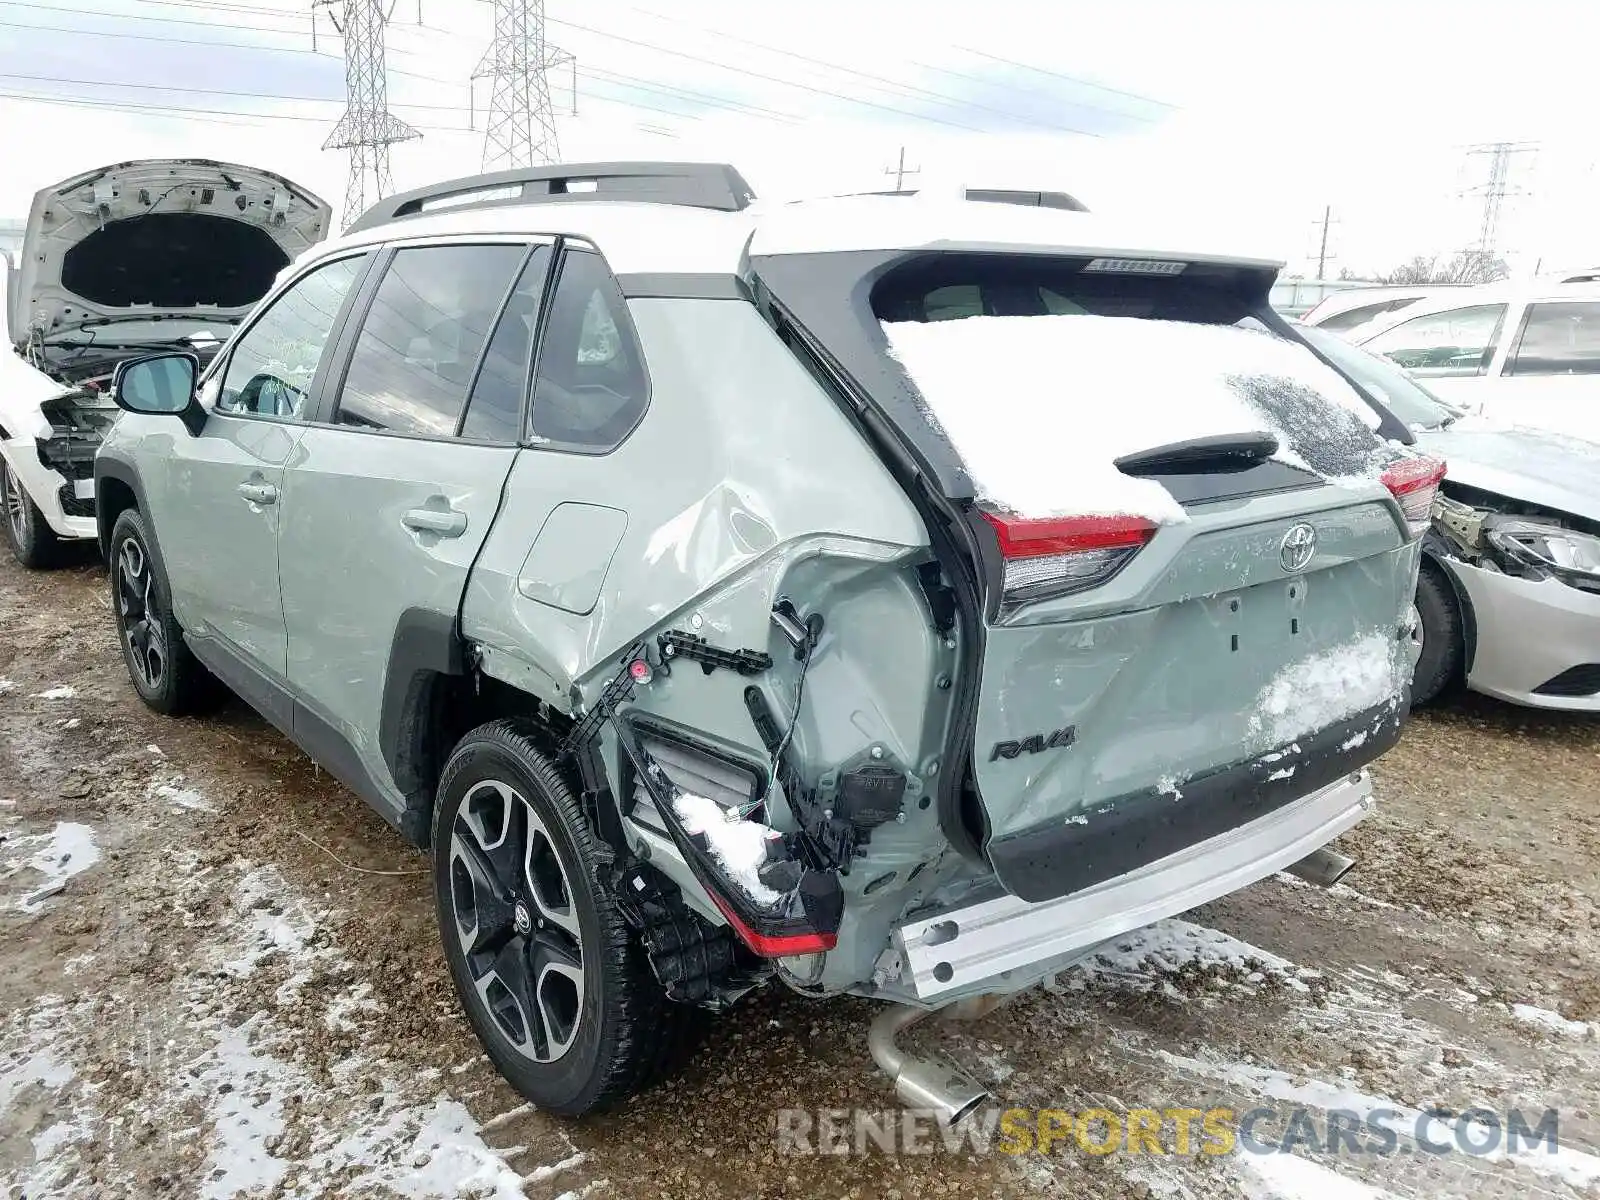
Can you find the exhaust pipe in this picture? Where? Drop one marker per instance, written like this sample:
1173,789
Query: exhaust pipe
919,1082
1322,867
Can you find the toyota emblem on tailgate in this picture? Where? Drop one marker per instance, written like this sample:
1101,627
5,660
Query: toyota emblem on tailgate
1299,544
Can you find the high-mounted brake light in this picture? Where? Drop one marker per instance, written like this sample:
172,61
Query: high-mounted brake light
1054,556
1414,482
1134,266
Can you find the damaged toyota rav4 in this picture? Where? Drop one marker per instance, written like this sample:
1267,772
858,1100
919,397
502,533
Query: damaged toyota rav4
890,595
157,254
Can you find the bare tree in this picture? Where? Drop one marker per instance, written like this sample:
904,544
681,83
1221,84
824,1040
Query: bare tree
1465,267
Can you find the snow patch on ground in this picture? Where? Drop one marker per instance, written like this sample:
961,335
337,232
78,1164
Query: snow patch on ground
181,797
1574,1167
1091,389
7,686
67,850
739,845
1325,688
1553,1022
1148,958
64,692
1285,1177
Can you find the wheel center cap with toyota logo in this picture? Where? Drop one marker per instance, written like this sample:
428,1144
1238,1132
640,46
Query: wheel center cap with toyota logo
523,919
1298,547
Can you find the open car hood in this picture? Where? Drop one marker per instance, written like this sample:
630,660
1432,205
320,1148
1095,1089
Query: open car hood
179,239
1534,466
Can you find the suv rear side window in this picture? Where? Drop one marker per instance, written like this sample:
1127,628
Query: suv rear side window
421,339
1460,341
494,413
591,387
271,366
1558,339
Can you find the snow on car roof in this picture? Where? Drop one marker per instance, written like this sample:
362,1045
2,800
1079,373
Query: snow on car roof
677,239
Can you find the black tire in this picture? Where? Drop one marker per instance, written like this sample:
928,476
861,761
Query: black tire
1443,643
33,543
620,1032
141,603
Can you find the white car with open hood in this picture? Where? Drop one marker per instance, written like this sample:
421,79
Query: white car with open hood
125,260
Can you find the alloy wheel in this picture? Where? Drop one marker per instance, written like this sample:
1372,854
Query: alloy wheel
140,615
15,500
514,917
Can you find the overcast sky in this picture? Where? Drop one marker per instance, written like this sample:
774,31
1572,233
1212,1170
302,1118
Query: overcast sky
1249,115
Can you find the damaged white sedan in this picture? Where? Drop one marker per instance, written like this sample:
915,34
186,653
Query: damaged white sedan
131,259
1509,591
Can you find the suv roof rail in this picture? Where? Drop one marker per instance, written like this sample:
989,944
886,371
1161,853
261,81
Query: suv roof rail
1006,196
697,185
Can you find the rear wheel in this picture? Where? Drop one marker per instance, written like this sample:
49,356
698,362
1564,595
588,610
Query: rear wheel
557,988
1439,629
32,541
166,675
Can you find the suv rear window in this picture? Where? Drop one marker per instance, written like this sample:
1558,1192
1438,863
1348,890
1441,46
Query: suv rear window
1049,371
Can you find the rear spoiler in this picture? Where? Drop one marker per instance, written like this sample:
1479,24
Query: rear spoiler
697,185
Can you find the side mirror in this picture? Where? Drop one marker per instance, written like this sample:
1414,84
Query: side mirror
160,385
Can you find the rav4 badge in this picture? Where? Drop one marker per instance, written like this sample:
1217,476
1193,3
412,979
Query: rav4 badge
1035,743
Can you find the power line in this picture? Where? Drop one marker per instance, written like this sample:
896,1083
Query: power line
805,87
230,115
209,44
1011,62
907,89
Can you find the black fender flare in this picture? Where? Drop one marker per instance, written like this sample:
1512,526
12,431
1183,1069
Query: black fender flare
124,472
426,644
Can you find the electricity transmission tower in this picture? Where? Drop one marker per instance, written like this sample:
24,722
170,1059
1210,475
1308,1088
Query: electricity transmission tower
1495,189
367,129
522,121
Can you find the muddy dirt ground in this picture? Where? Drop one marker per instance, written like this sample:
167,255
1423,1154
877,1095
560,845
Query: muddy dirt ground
219,976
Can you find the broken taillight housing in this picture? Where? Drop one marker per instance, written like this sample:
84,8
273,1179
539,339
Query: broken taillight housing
1055,556
1414,482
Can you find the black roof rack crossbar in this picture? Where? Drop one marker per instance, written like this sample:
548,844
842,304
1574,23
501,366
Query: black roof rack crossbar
697,185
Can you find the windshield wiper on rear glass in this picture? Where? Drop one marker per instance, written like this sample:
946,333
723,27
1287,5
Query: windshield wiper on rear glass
1220,452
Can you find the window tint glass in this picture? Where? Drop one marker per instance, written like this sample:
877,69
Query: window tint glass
422,337
591,387
495,411
1458,342
271,366
1351,317
1559,339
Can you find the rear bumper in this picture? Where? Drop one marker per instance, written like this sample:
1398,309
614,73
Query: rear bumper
1529,632
1061,858
1007,943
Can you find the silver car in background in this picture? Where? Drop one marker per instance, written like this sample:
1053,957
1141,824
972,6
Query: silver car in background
1509,591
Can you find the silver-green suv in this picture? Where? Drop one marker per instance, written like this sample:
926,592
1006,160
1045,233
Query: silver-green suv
885,595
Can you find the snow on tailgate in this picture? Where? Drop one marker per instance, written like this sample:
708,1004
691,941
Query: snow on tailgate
1039,407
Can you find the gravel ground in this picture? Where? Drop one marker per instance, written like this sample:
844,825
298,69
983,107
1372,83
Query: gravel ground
221,978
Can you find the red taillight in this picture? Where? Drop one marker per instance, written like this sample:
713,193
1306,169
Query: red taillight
1414,482
1052,556
770,945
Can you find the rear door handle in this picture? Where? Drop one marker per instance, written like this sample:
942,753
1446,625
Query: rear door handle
259,493
446,523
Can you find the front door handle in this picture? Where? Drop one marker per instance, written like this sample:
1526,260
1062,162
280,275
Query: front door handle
446,523
259,493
